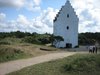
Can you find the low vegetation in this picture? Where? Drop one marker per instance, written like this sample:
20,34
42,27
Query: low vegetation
89,38
34,44
9,53
79,64
12,48
35,38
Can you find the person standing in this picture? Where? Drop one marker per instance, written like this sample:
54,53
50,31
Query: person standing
96,49
90,49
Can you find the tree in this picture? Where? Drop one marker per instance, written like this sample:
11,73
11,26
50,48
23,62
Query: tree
51,38
58,39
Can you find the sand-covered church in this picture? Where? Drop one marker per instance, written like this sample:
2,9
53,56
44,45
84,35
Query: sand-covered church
66,26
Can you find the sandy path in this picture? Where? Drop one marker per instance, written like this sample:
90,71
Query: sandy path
19,64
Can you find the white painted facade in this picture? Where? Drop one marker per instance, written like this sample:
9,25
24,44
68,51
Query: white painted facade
66,25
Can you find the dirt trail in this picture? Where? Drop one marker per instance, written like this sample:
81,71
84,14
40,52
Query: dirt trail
19,64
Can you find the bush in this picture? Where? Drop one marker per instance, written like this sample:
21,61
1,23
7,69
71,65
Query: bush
44,40
76,46
9,53
4,43
32,40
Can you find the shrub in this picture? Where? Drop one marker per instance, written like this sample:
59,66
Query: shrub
4,43
31,39
76,46
9,53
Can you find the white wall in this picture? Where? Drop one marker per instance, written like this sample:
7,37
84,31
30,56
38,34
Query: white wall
60,26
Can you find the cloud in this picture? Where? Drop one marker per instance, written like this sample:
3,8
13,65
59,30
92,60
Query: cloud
37,2
88,13
22,20
21,23
12,3
2,16
44,23
41,24
32,5
2,20
48,16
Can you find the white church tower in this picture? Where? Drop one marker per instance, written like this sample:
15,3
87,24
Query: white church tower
66,26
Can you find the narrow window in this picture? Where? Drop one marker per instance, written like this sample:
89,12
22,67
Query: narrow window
67,15
67,27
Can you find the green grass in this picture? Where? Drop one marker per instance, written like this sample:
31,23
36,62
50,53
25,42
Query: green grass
79,64
9,40
14,48
9,53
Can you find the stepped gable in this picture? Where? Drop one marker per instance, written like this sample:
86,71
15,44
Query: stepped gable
57,15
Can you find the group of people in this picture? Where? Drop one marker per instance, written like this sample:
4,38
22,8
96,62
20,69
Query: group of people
93,49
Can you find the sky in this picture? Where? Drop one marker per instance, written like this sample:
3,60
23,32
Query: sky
37,15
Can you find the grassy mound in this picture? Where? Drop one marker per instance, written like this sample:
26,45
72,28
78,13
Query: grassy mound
79,64
3,42
9,41
83,64
9,53
12,48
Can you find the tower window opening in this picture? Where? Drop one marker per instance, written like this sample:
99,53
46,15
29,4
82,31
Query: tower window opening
67,27
67,15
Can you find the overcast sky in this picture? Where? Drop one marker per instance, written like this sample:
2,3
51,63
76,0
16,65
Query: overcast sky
38,15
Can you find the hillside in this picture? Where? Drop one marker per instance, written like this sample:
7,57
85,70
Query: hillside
12,48
16,45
